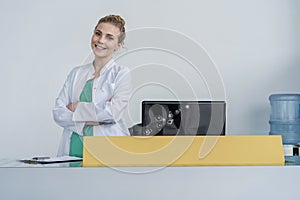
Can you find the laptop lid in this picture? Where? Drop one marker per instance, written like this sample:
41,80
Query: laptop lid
183,117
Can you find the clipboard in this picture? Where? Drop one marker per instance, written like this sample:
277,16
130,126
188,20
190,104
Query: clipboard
50,160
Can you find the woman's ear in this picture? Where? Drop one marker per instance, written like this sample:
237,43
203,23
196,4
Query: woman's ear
119,46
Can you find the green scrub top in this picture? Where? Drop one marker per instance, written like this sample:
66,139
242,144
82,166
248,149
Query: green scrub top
76,144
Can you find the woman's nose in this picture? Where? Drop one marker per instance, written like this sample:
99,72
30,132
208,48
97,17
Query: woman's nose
101,39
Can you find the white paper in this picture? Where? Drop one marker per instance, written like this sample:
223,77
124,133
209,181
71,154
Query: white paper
61,159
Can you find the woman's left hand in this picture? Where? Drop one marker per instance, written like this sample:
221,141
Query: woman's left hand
72,106
92,123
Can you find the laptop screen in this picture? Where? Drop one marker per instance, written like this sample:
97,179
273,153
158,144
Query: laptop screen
183,117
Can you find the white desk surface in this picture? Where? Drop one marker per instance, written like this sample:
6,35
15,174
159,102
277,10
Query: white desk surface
143,183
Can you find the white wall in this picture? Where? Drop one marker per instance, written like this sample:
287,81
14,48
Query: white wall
254,44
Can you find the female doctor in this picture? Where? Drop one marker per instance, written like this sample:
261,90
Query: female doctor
95,95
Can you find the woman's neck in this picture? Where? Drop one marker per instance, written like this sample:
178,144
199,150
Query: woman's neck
99,64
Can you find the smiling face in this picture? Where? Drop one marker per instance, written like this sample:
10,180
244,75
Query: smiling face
105,40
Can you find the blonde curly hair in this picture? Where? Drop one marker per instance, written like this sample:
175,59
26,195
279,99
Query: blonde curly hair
118,22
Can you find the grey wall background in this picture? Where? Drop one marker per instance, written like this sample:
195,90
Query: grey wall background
255,46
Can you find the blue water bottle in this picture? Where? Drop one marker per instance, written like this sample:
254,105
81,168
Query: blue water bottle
285,117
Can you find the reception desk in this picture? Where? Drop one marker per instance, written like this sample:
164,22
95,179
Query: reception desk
50,182
72,181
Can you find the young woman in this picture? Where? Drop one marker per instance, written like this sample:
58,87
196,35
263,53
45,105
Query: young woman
95,95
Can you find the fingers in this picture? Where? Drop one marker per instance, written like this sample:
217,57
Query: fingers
92,123
72,106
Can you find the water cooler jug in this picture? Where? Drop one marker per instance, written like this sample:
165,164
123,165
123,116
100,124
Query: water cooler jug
285,121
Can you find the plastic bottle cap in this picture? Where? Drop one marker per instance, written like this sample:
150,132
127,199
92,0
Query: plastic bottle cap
284,97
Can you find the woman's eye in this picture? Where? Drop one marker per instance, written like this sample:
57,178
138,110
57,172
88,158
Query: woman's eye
97,33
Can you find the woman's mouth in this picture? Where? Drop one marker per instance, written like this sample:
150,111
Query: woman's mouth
99,47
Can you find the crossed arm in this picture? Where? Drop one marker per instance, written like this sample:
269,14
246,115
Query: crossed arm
72,107
75,115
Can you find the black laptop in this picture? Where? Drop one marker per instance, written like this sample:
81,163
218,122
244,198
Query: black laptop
182,118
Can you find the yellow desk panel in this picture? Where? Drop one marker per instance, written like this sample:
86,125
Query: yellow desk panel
182,150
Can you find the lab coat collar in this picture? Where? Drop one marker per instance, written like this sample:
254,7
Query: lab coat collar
103,70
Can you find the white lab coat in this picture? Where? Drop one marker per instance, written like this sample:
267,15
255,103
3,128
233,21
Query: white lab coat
113,83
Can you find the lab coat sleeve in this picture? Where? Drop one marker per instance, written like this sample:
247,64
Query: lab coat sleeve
108,111
61,114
